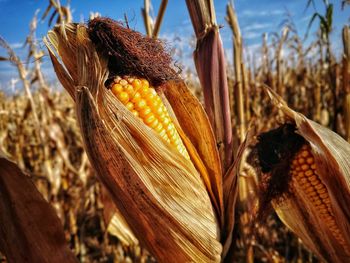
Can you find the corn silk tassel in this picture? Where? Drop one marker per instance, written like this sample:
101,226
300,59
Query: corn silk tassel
305,176
148,138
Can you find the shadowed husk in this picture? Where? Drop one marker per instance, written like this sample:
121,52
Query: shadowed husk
161,195
30,230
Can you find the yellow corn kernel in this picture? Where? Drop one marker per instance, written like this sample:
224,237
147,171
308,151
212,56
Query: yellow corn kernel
143,101
301,160
137,83
129,89
123,82
117,88
303,172
123,97
144,90
141,104
145,83
136,113
129,106
136,97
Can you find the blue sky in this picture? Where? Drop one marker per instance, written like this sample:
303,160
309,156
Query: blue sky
255,17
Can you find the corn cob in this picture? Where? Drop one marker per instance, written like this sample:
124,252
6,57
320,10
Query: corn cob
303,171
142,100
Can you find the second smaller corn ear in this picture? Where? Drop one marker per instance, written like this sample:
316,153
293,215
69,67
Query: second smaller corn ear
310,189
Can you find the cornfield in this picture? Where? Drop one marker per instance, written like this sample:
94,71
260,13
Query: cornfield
136,160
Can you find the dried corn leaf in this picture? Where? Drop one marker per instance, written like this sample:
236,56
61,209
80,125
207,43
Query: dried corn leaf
332,155
30,230
230,189
159,192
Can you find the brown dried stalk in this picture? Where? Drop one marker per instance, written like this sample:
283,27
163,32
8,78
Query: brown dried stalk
211,69
239,67
147,20
159,18
35,53
279,61
153,30
63,13
22,72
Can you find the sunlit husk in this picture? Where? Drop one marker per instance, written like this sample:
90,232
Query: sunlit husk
119,227
332,155
199,138
159,192
115,221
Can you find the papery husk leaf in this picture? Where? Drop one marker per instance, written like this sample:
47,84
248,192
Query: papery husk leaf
196,127
332,155
30,230
164,202
63,46
116,223
159,192
120,228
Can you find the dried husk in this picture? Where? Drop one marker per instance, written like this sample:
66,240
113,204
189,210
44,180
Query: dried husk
332,155
199,138
116,223
30,230
159,193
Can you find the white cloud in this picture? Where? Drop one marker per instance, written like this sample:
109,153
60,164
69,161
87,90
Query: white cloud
262,13
16,45
256,26
251,35
254,47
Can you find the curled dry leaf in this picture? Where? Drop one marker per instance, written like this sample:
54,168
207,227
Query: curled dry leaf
30,230
173,204
306,176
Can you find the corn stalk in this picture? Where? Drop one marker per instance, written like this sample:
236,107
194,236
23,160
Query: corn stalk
211,68
22,73
147,20
63,13
239,67
152,29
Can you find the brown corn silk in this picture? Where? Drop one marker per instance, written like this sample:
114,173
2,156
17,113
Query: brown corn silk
159,193
331,156
30,230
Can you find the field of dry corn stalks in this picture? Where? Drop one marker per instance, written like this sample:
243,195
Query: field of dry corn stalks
39,132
